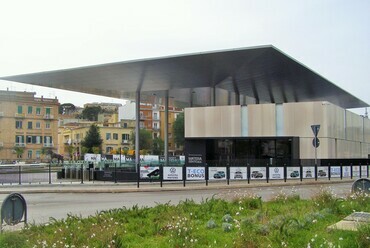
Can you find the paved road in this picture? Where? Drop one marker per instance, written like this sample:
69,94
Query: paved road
42,206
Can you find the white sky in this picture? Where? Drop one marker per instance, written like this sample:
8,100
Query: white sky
332,37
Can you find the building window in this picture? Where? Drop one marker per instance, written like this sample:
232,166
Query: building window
19,139
108,149
38,111
38,125
125,136
29,125
29,140
155,135
18,124
38,154
38,139
29,111
115,136
142,124
155,116
125,125
108,136
47,111
20,109
48,140
47,124
29,154
155,125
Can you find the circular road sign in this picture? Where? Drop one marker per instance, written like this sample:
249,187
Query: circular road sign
13,209
316,143
361,185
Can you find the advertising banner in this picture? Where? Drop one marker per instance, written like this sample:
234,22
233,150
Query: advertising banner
149,172
217,173
258,173
322,171
92,157
238,173
172,173
335,171
195,159
364,171
309,172
116,158
276,172
355,171
293,172
195,173
346,171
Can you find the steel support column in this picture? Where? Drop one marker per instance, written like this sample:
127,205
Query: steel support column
137,131
166,128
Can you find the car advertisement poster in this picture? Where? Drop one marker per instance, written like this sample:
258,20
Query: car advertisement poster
346,171
149,172
216,173
309,172
364,171
195,173
238,173
116,158
335,171
293,172
276,172
172,173
92,157
356,171
322,171
258,173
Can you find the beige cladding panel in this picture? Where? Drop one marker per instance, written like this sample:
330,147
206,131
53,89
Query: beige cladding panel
348,149
354,126
298,118
307,150
334,121
261,120
220,121
367,130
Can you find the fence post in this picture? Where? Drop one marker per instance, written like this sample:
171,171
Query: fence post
267,172
351,171
285,173
19,175
50,172
184,174
82,173
161,174
138,174
329,171
248,172
341,171
206,173
228,174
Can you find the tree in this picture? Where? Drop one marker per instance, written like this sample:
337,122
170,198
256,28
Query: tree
145,139
70,150
67,108
91,113
19,151
179,130
92,141
158,146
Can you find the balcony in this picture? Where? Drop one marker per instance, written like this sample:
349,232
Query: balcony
48,144
48,116
20,145
124,142
19,115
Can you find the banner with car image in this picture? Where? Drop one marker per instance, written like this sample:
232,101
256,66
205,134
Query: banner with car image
322,171
364,171
216,173
258,173
335,171
149,172
309,172
276,172
238,173
293,172
172,173
346,171
355,171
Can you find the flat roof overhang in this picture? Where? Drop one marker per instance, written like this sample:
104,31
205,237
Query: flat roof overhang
263,73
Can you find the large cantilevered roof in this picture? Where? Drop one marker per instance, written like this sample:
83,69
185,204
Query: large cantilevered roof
263,73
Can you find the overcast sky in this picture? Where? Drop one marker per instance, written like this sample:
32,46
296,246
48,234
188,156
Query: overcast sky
332,37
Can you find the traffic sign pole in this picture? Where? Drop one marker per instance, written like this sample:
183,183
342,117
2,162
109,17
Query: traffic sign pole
315,130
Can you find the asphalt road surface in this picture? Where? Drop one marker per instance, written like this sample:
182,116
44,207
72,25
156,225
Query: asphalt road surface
42,206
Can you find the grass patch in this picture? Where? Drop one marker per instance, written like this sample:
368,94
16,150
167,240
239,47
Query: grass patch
242,221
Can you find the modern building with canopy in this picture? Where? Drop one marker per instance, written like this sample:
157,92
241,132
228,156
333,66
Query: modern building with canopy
252,103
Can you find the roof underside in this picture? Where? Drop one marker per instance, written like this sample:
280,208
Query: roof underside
263,73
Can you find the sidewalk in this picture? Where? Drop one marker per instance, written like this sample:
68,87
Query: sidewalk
110,187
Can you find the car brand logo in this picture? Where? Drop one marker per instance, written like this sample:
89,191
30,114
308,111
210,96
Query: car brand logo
173,170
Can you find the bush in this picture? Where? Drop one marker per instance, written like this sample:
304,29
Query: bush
227,227
227,218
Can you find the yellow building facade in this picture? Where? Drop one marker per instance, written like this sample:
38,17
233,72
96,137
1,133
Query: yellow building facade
28,126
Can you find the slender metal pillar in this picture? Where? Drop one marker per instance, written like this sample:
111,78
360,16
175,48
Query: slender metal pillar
214,96
166,128
137,131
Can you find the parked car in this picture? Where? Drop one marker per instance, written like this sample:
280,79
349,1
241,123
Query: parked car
321,173
294,174
219,174
256,174
308,173
238,175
